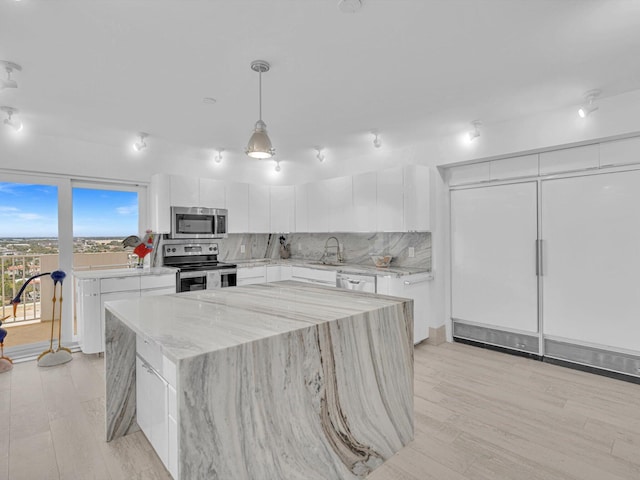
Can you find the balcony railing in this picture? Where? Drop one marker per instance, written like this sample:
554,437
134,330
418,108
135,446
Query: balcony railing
14,272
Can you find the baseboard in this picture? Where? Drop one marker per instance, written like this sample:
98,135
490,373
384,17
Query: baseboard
517,341
496,348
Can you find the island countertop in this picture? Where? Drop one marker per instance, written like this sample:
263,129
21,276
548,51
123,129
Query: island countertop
193,323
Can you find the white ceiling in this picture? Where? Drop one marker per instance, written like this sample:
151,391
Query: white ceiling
101,70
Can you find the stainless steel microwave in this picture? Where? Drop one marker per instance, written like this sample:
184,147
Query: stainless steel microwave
198,222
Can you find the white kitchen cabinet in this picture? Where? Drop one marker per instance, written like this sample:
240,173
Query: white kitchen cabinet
364,202
93,289
313,275
160,203
472,173
301,208
416,204
415,287
259,210
493,256
591,236
390,200
515,167
620,152
570,159
185,191
212,193
282,209
251,275
317,207
237,200
339,196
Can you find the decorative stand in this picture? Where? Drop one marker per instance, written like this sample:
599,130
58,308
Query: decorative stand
61,355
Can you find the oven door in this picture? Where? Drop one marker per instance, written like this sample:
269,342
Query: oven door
191,281
222,278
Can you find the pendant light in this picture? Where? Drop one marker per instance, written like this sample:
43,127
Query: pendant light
259,145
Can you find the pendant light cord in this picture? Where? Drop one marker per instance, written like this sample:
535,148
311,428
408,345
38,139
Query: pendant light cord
260,93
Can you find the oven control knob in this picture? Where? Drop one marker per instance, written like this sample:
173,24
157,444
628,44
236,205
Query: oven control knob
173,249
210,248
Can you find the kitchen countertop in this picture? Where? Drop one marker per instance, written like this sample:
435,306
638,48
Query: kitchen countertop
124,272
338,267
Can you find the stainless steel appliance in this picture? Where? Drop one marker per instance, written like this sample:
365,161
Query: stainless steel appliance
362,283
198,223
198,265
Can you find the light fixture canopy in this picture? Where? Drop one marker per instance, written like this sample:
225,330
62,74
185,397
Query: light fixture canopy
141,145
9,68
588,107
475,133
319,155
377,142
259,145
218,156
9,121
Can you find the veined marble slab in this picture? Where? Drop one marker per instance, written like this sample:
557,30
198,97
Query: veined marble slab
277,381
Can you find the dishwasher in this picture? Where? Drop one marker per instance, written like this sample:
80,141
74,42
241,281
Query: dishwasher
361,283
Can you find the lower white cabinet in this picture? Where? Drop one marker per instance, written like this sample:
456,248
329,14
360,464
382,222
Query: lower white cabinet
93,289
251,275
313,275
156,401
415,287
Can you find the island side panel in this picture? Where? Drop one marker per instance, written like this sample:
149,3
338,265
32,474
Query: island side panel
333,400
120,378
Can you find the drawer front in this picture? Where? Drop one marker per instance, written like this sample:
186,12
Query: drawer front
252,272
157,281
322,276
119,284
150,351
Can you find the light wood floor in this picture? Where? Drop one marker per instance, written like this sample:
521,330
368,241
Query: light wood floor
479,415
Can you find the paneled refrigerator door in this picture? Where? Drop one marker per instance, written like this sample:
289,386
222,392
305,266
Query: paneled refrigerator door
591,283
494,283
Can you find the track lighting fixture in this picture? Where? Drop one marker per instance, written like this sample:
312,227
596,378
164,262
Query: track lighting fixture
277,169
475,133
141,145
588,107
349,6
377,142
9,67
320,156
218,156
14,124
259,145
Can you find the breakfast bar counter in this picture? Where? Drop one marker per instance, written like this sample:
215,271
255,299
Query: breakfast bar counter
281,380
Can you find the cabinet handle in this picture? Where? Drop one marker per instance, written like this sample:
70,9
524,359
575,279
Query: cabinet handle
539,258
426,279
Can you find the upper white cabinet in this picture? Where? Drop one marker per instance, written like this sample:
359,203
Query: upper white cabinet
620,152
417,207
301,202
339,195
516,167
570,159
282,214
160,203
259,209
185,191
212,193
237,200
364,198
389,200
476,172
317,207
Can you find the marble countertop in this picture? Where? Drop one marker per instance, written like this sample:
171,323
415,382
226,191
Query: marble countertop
338,267
193,323
125,272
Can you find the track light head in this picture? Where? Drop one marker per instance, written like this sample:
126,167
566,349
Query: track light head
9,121
319,155
218,156
277,169
587,108
475,133
377,142
9,68
141,145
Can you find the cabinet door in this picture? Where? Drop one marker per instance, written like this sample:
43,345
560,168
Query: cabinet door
417,207
591,239
569,159
339,194
160,203
493,256
88,314
620,152
259,209
302,214
273,273
415,287
282,209
318,207
185,191
212,193
152,408
251,275
237,199
364,202
389,200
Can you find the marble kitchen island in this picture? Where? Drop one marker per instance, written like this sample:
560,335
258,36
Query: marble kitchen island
282,380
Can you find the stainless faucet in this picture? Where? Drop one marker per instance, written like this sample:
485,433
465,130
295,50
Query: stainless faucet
339,258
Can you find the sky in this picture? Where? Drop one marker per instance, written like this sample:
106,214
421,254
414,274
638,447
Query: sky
28,210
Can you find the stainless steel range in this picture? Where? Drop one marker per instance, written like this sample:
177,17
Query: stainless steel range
199,268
